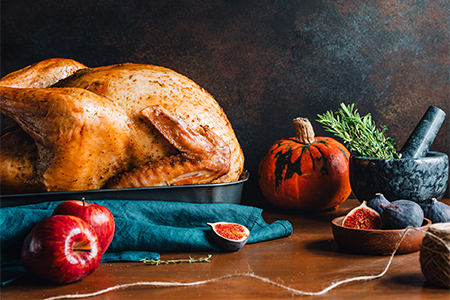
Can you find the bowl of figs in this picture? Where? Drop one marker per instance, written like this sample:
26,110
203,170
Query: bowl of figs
383,227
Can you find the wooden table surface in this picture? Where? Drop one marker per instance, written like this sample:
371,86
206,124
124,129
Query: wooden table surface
307,261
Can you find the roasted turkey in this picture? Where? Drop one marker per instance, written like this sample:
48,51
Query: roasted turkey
125,125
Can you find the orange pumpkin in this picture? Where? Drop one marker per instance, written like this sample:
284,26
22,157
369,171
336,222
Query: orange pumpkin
305,172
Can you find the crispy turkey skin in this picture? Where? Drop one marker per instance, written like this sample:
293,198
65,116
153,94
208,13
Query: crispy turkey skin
115,126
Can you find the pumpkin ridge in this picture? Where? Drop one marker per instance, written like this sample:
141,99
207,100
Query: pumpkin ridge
343,152
325,143
310,155
281,162
293,140
291,168
324,169
275,147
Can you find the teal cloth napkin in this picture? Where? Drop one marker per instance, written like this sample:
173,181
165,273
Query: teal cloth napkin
144,228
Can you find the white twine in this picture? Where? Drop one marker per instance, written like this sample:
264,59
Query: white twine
246,274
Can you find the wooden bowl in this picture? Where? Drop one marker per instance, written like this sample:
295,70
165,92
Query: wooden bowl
378,242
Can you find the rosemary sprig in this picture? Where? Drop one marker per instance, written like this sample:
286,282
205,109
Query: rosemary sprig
191,260
358,133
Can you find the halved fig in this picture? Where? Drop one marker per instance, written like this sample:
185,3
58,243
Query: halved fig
362,217
230,236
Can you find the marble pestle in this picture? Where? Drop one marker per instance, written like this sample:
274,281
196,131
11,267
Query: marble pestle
420,140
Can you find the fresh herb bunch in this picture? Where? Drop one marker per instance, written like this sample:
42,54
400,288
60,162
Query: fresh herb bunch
359,133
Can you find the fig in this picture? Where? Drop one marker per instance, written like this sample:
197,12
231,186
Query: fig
375,202
401,214
362,217
437,212
230,236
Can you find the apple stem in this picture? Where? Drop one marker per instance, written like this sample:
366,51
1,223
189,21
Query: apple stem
84,201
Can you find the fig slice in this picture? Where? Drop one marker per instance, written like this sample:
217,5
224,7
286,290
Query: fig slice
362,217
230,236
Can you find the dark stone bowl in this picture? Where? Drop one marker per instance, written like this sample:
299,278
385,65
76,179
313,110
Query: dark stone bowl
417,179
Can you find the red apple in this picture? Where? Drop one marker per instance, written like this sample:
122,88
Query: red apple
61,249
99,217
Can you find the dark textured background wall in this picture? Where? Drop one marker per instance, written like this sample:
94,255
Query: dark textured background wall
266,62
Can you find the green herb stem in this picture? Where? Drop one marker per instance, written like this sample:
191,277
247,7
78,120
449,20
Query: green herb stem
359,134
191,260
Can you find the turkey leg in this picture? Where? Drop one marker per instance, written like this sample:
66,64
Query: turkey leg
78,134
18,149
203,158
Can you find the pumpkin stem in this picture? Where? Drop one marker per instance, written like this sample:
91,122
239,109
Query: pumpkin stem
305,132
